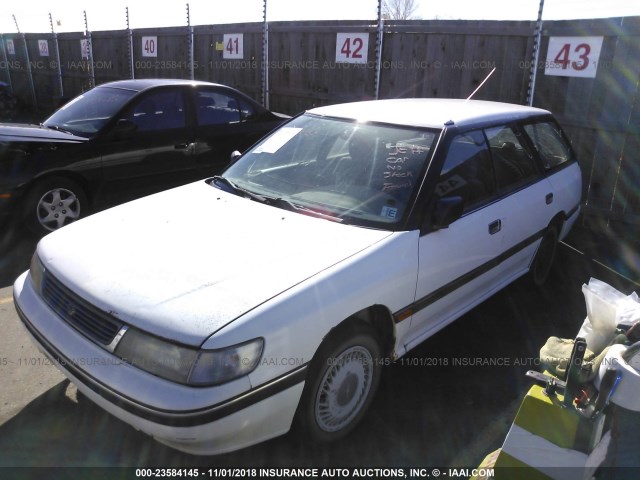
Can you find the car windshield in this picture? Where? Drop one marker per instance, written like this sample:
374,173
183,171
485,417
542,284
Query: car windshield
86,114
358,173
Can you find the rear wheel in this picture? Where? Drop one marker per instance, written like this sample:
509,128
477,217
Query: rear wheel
342,381
53,203
543,261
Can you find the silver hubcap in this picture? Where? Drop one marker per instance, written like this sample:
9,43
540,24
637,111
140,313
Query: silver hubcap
344,389
57,208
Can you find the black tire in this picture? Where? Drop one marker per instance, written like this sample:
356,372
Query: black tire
53,203
342,380
543,261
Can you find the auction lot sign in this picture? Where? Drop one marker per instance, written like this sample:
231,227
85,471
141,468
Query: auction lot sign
352,47
573,56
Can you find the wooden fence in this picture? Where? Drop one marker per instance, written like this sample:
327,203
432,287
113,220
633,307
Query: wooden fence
300,69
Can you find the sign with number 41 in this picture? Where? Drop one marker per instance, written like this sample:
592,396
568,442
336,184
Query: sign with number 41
233,46
573,56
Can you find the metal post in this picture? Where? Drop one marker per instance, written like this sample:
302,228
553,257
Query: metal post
379,50
535,57
58,66
5,57
265,57
190,39
92,78
132,73
32,86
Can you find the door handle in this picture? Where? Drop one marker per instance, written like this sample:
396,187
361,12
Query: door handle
494,227
549,198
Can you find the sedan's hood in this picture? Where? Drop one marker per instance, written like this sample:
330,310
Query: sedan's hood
35,133
186,262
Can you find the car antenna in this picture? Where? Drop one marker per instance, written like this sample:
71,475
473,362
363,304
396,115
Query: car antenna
480,86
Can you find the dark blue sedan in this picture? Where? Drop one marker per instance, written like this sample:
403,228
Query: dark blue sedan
120,141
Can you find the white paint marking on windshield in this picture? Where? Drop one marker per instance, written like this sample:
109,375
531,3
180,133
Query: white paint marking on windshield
276,141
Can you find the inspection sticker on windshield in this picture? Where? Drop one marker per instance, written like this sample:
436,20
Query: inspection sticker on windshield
276,141
389,212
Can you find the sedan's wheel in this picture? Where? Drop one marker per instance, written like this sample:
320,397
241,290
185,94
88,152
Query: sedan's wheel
54,203
343,378
542,262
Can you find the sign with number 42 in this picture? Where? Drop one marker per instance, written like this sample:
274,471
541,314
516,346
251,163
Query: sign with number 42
352,47
573,56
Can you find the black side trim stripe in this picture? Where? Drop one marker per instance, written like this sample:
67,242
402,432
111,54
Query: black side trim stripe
571,212
166,417
445,290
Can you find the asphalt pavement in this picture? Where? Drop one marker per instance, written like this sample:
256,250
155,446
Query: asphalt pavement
448,403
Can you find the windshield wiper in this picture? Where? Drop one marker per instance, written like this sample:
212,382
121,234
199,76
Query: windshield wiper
280,202
233,188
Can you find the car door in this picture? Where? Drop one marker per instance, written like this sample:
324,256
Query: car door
158,151
454,262
225,121
560,167
526,198
493,242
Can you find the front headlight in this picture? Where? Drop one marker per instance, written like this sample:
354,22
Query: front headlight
188,365
219,366
36,270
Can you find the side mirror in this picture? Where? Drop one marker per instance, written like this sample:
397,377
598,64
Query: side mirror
235,155
124,127
447,211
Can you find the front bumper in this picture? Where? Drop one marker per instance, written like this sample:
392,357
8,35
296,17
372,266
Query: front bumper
201,421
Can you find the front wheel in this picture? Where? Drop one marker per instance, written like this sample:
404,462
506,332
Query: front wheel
53,203
342,381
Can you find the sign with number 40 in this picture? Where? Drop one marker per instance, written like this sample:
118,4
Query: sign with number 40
573,56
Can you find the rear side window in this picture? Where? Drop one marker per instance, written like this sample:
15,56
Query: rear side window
216,108
513,163
549,142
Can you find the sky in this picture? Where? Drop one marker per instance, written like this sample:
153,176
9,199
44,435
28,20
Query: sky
33,15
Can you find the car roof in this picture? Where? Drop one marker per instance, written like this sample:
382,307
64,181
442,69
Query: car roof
429,112
142,84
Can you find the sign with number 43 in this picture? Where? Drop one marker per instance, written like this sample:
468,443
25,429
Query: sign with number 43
573,56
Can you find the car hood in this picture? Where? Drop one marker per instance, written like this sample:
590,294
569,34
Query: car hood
35,133
184,263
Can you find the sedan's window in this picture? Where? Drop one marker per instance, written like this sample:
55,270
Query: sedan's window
86,114
161,110
359,173
216,108
467,170
246,109
549,143
512,162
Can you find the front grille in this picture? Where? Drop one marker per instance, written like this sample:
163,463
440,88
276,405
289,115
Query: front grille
92,322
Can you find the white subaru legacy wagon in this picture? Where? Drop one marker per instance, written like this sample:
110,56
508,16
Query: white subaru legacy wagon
226,312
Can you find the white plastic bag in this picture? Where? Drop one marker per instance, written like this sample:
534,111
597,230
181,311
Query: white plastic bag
606,308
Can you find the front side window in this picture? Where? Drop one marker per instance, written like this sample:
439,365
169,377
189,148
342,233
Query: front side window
467,170
162,110
357,173
549,143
